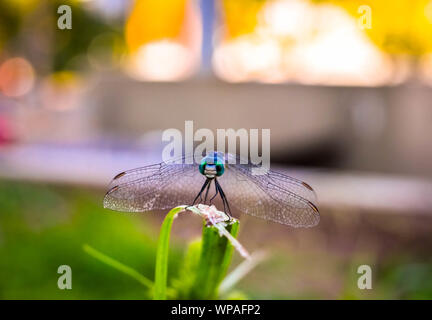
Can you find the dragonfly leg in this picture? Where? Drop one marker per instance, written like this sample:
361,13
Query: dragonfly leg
207,191
201,191
217,192
224,199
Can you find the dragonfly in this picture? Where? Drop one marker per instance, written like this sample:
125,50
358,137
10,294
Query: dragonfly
271,195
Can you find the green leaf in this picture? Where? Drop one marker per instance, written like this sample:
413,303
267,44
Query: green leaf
118,265
161,272
183,284
216,253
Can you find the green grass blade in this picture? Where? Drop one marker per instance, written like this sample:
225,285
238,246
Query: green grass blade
216,253
161,272
118,265
186,277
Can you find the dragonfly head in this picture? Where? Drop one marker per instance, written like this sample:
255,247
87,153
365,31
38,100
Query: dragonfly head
212,166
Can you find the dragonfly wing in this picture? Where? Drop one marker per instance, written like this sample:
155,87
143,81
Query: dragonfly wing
299,187
140,173
155,187
272,196
135,174
244,170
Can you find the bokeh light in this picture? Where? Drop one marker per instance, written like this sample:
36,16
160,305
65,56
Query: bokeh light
295,40
17,77
161,61
163,39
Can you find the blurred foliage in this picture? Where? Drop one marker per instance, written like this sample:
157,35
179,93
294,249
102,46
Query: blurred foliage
10,21
70,44
399,27
12,14
63,49
45,226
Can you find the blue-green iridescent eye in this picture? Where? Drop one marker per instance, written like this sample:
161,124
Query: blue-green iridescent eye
202,166
220,168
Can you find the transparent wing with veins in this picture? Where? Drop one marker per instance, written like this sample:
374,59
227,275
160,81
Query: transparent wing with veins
271,196
155,187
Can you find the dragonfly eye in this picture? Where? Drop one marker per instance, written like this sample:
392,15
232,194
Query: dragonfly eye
219,169
202,167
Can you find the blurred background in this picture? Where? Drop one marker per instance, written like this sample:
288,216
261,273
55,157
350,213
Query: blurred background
344,87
